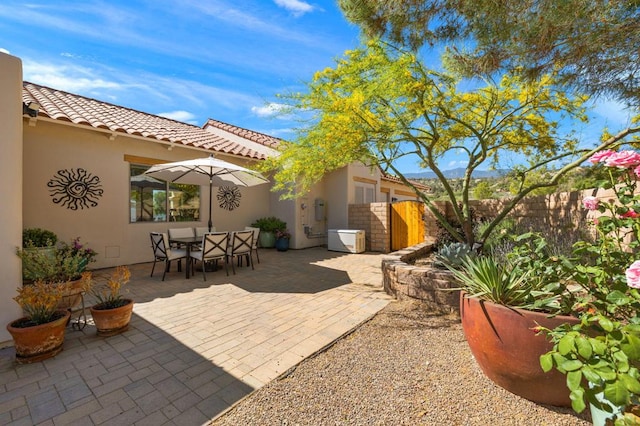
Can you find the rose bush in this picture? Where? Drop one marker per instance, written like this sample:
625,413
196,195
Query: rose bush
601,355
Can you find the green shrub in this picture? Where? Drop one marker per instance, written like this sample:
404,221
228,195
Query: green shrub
269,224
37,237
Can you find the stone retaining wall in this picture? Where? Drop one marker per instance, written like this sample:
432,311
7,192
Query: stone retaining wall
405,281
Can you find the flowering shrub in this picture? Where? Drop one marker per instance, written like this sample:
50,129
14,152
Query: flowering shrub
283,233
39,302
78,250
108,293
64,263
602,353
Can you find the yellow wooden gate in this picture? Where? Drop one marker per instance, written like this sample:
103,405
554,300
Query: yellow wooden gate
407,224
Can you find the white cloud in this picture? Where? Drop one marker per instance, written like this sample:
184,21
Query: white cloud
70,78
297,7
268,110
5,51
183,116
457,164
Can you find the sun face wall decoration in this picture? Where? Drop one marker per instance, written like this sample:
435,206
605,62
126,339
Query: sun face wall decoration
75,189
229,197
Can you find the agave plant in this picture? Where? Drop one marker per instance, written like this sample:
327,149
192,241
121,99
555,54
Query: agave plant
485,278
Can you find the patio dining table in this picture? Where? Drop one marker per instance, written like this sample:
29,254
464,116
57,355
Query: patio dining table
188,242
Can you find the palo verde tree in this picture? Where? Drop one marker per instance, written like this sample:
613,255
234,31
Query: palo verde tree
592,45
379,104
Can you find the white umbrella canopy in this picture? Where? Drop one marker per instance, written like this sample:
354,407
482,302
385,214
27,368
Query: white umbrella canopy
206,171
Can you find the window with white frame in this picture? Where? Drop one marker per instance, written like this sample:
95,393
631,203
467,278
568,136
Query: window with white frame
365,194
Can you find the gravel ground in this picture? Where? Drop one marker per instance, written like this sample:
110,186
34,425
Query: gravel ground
404,367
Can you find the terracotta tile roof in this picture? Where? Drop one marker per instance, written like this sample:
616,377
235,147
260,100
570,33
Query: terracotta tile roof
261,138
67,107
395,179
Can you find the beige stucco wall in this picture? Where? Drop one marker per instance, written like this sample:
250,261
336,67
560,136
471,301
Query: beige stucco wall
337,186
11,192
50,146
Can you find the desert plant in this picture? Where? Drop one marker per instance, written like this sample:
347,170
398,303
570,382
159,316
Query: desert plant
108,293
453,254
60,264
502,283
39,302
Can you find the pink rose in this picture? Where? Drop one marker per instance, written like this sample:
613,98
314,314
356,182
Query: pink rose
637,171
601,156
590,203
633,275
623,159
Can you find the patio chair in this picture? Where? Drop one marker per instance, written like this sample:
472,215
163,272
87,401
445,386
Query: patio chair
256,235
162,252
240,246
201,230
181,232
214,247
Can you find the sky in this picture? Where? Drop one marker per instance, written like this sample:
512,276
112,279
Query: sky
192,60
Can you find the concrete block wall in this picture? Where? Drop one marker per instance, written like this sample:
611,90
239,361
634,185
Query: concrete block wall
561,211
374,219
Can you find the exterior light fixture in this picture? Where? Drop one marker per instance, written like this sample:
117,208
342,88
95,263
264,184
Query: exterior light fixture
31,109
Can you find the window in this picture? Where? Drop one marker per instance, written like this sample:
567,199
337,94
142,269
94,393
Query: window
364,194
153,200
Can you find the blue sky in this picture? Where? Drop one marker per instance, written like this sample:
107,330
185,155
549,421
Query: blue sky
191,60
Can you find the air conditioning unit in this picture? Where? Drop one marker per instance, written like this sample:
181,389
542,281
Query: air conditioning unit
346,240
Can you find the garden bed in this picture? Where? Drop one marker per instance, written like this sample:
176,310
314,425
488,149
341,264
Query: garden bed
409,274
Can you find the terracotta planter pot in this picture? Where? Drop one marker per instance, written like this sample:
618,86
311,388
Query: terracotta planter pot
508,351
72,296
110,322
38,342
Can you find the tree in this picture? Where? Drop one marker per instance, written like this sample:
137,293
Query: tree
483,191
592,44
380,104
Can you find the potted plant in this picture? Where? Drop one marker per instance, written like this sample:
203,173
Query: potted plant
40,333
36,240
268,226
63,264
601,354
37,237
112,312
282,239
501,304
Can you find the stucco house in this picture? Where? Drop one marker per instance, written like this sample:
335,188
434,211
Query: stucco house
73,165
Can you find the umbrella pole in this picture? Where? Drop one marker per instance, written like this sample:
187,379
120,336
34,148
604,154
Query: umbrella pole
210,199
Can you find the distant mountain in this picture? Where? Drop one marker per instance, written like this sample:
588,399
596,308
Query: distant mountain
457,174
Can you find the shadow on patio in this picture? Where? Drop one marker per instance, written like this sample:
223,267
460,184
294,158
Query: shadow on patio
194,348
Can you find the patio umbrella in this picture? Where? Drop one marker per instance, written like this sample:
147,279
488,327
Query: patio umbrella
206,171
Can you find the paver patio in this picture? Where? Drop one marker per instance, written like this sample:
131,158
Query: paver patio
195,348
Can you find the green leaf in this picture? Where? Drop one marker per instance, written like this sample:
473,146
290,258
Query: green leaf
590,375
584,347
632,347
572,365
546,362
574,380
605,323
632,384
616,393
577,400
566,344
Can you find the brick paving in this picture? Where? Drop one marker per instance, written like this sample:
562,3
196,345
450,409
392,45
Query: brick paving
195,348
